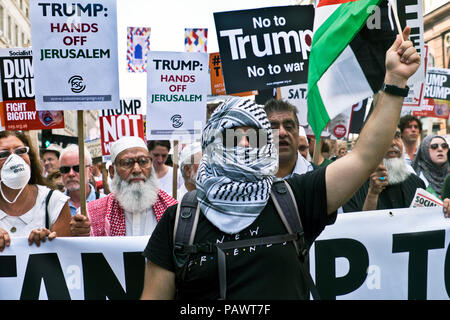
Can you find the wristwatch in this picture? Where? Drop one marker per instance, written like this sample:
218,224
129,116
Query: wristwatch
396,91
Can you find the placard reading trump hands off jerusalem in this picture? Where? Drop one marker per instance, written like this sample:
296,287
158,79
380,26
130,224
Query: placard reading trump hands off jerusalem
177,84
75,54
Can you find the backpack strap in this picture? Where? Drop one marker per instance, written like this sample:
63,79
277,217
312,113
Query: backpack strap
284,201
186,220
47,219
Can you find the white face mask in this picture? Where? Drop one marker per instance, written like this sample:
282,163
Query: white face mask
15,174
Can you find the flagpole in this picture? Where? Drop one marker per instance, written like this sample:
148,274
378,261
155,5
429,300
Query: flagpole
397,21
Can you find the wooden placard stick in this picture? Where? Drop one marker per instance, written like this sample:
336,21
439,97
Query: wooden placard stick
175,169
82,164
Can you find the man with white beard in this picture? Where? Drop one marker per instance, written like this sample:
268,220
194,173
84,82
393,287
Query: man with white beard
392,185
136,203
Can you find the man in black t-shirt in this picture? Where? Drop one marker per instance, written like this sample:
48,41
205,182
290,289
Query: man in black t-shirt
233,189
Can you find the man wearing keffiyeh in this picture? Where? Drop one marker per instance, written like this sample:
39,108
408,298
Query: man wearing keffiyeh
234,183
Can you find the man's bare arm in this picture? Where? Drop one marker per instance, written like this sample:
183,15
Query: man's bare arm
159,283
346,175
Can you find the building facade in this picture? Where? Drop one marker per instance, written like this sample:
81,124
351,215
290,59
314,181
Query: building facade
15,28
436,22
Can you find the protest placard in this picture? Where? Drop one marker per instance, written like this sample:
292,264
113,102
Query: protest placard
296,95
436,98
217,84
115,127
17,93
176,95
138,46
264,48
196,39
75,54
423,198
410,13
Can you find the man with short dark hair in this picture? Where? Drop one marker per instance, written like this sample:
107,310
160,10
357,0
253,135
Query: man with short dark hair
411,129
234,188
283,120
50,158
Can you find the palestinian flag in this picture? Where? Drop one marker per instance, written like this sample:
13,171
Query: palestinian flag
347,59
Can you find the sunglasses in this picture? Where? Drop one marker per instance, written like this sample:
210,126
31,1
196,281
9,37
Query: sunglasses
128,163
434,146
256,138
66,169
18,151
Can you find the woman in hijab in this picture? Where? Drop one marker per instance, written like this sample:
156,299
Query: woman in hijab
431,163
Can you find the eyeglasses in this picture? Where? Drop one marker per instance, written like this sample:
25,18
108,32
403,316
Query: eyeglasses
66,169
434,146
128,163
19,151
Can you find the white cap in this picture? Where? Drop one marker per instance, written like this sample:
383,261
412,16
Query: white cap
301,132
188,151
126,143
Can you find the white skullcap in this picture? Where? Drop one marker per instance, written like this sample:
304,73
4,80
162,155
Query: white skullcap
126,143
301,131
188,151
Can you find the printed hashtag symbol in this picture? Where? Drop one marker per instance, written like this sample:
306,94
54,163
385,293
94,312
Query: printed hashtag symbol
216,60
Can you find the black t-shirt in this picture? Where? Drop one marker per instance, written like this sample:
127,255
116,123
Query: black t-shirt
393,197
260,272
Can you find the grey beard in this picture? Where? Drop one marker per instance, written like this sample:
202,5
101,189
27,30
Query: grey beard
397,170
135,197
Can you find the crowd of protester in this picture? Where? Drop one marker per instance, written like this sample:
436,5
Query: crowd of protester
131,194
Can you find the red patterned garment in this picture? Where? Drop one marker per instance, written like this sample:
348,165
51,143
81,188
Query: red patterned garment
108,218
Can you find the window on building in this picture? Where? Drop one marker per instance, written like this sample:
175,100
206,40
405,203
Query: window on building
447,50
9,34
431,61
2,19
16,35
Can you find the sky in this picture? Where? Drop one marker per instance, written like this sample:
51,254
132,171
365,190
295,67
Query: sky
167,20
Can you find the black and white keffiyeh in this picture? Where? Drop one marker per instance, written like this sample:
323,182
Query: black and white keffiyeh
234,182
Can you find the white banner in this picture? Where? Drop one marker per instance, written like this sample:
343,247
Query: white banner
75,54
177,84
387,254
73,269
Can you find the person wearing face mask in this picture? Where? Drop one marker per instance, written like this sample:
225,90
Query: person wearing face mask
431,163
25,198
